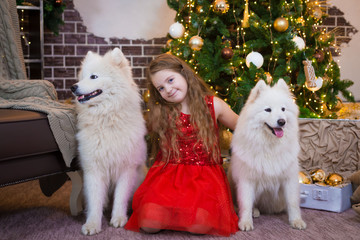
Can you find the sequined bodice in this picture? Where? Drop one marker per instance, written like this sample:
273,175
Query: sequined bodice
191,151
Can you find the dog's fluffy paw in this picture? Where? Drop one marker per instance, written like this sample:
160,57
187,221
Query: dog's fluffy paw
118,221
246,225
298,224
256,213
91,228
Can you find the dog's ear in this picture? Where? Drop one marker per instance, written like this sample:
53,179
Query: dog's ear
282,84
118,57
88,56
255,92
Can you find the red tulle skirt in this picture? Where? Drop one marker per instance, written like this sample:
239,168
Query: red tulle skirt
183,197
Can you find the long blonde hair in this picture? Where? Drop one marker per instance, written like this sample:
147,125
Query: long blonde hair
163,115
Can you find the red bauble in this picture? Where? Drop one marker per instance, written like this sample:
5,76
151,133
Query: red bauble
227,53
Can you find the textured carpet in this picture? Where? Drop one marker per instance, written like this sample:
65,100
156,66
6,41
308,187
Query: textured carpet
25,213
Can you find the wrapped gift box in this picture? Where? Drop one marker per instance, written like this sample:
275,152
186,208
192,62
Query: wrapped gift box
334,199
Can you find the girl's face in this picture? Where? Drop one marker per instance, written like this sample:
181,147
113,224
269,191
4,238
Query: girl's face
171,85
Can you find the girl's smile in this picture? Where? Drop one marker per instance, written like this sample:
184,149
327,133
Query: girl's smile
172,86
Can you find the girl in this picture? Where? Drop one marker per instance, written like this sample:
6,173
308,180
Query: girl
186,189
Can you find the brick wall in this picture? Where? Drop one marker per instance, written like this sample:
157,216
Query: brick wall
63,53
337,24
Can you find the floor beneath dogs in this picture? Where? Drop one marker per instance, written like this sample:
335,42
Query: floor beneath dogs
25,213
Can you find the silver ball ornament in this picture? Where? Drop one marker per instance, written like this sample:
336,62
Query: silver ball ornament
176,30
256,58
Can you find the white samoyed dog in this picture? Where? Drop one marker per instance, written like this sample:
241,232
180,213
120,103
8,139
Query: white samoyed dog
111,136
264,164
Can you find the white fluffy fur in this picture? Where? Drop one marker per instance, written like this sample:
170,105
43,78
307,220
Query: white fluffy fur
111,131
264,167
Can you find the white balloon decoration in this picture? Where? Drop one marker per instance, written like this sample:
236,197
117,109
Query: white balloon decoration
299,42
176,30
256,58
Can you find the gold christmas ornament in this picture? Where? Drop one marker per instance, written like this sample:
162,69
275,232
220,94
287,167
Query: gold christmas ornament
199,9
339,104
304,178
225,139
146,96
334,179
168,43
300,20
317,175
221,6
196,43
269,78
281,24
245,22
317,12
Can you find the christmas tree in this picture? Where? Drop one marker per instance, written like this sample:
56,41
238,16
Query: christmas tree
232,44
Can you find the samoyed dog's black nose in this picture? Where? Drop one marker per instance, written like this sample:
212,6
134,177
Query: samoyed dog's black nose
281,122
73,88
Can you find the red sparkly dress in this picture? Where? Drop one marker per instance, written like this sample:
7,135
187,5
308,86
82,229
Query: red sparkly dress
188,194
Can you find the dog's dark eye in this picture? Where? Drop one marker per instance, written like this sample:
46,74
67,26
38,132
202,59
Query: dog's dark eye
93,76
267,109
283,109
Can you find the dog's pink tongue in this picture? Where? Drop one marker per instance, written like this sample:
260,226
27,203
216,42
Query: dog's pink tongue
279,132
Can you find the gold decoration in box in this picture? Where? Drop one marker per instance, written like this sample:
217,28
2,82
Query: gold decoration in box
319,178
304,178
334,179
317,175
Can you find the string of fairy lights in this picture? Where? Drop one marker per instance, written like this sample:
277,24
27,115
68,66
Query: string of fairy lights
316,7
22,33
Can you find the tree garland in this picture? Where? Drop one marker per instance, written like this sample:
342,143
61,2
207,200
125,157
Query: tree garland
53,10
